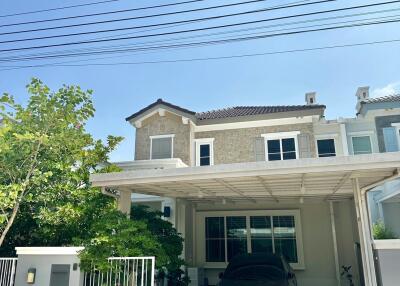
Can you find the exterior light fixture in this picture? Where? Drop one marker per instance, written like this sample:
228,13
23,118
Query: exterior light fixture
30,278
167,211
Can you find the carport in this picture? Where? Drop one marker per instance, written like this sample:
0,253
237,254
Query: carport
325,180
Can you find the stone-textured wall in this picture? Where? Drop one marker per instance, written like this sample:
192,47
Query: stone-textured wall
157,125
382,122
237,145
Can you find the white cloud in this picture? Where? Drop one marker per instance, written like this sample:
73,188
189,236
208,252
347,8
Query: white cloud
390,89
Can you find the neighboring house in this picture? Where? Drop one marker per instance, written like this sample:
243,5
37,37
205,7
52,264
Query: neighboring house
279,179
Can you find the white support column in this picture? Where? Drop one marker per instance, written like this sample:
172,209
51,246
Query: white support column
365,235
335,246
125,202
180,226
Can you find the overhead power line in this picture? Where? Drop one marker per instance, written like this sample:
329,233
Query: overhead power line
196,30
162,24
139,9
263,36
131,48
58,8
207,58
290,5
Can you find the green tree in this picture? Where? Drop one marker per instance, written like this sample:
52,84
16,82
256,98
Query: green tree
115,235
164,232
46,157
170,241
144,234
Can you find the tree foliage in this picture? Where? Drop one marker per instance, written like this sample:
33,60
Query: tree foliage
46,199
46,157
145,233
118,236
164,232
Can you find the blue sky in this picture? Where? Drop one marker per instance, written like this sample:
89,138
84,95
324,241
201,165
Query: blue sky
266,80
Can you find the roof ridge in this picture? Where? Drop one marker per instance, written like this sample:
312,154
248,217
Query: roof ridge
259,106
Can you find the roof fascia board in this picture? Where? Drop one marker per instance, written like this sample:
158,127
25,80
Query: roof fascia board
253,124
299,166
158,109
370,107
382,112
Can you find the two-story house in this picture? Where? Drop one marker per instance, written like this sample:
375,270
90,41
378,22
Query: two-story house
249,179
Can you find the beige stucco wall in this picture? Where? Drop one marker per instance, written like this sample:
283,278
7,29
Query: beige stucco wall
161,125
237,145
230,146
316,236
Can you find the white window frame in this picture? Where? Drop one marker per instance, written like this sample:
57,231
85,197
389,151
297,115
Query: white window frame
327,137
279,136
362,134
201,235
172,136
397,126
204,141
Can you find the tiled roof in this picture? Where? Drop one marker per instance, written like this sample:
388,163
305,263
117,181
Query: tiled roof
231,112
238,111
389,98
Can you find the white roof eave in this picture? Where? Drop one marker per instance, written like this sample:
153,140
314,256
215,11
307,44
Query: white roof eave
277,168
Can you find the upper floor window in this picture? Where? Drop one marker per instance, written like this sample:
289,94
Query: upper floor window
326,148
161,146
361,145
281,146
204,151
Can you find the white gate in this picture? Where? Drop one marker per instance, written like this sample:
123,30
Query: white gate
7,271
124,271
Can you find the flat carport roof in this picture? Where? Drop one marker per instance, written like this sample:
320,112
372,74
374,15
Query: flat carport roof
314,178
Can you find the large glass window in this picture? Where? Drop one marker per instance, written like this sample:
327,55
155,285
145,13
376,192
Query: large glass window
281,149
285,237
251,234
161,147
215,239
236,236
361,145
261,234
326,148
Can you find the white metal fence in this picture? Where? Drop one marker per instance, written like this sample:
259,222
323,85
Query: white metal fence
124,271
7,271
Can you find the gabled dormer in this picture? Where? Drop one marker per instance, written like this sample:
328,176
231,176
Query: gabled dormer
163,131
